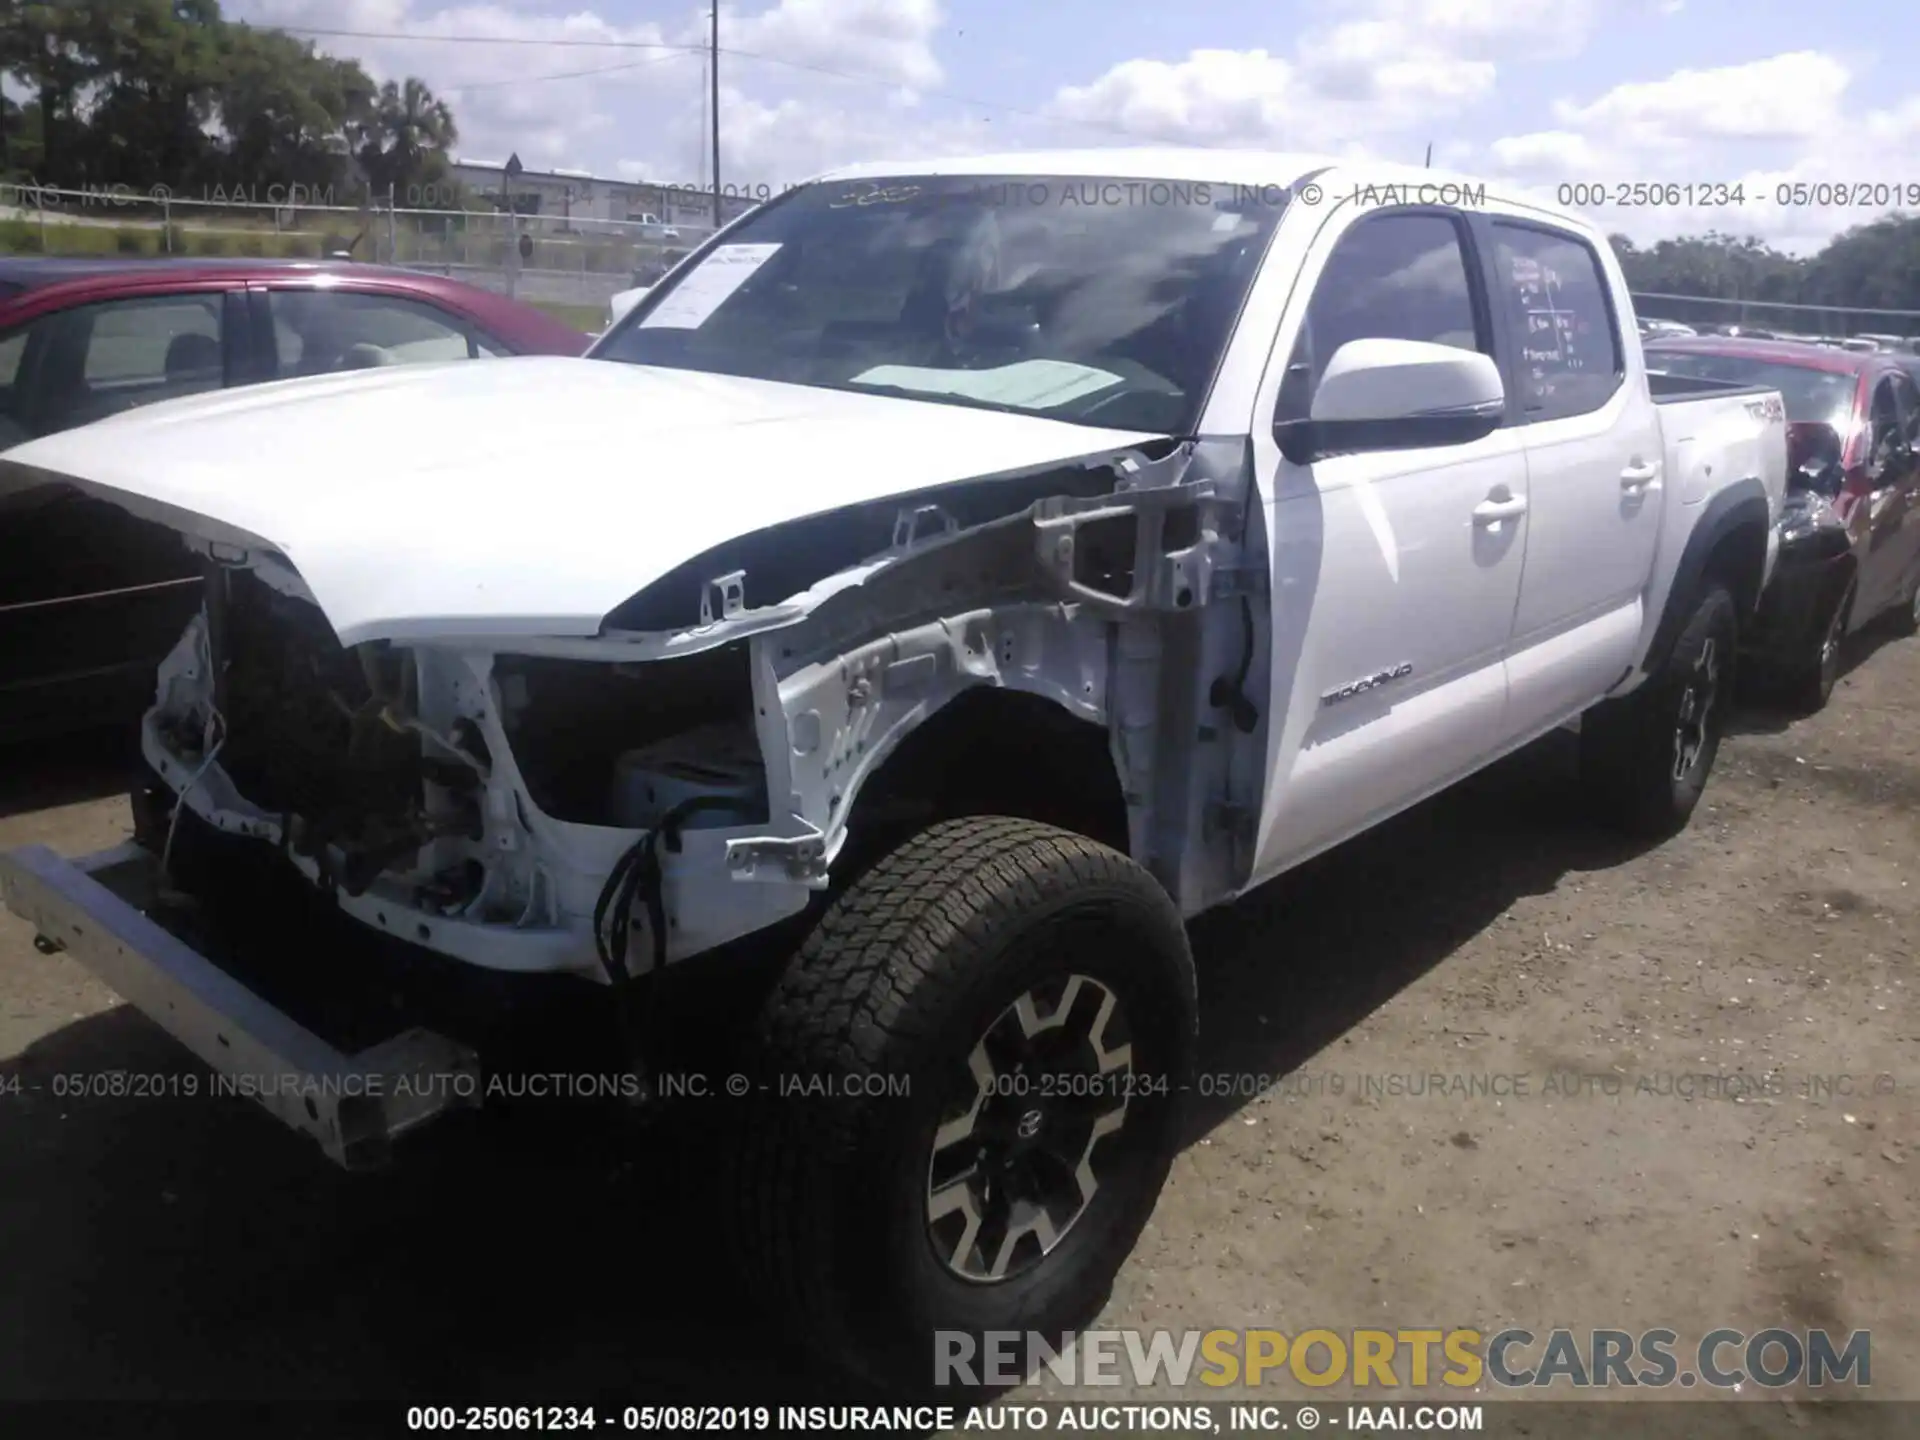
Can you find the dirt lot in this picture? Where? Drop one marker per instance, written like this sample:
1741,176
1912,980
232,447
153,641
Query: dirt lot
1484,942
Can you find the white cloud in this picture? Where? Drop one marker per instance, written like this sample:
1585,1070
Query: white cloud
1786,97
1399,67
1240,97
886,39
1750,128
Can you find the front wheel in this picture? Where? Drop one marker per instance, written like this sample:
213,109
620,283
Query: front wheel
964,1098
1645,757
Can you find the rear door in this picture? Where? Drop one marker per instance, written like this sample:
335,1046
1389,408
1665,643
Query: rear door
1595,468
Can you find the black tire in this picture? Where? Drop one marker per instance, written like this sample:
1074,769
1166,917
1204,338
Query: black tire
904,976
1809,685
1645,758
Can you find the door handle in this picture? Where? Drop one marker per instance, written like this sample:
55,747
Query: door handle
1492,512
1637,477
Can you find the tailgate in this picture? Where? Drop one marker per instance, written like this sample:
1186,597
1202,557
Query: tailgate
354,1105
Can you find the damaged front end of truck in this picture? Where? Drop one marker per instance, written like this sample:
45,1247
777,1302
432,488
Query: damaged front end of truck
609,805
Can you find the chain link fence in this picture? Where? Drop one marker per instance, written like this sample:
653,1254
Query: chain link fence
553,260
1785,320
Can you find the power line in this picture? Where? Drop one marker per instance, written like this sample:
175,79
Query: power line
481,39
781,60
562,75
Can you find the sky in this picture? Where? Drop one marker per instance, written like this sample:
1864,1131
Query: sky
1540,93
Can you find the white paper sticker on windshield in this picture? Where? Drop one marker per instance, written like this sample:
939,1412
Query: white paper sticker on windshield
696,297
1029,384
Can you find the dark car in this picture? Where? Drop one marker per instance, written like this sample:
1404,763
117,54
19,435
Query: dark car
90,598
1850,536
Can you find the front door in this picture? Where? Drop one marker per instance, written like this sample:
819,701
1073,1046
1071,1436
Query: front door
1395,573
1892,505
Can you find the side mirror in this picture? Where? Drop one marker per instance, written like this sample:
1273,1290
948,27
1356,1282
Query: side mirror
1396,395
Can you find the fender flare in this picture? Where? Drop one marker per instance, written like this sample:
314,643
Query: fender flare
1743,503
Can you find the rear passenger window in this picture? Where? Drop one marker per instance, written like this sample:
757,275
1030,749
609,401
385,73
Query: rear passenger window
173,341
1566,347
1391,277
103,359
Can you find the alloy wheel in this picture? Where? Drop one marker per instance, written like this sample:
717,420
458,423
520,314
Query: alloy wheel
1017,1160
1699,711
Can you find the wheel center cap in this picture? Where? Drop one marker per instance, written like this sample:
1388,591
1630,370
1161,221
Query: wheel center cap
1030,1124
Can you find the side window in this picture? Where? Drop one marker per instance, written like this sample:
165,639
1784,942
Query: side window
1886,431
99,360
1906,400
171,340
1566,342
317,332
1391,277
12,348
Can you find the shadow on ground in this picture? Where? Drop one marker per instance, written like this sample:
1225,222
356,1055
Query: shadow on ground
187,1247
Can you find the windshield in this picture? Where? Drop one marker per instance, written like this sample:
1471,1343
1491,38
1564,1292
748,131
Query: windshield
1105,302
1821,395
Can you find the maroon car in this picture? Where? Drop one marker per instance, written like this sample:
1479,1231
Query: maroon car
91,599
1850,535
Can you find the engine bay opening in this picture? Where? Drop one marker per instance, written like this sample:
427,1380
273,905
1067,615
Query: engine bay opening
601,744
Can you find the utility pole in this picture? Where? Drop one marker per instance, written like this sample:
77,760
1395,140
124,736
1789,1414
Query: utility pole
713,72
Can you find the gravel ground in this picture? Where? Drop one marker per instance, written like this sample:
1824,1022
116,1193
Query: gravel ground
1482,943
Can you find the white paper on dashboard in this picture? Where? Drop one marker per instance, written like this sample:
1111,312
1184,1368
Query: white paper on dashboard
1033,384
695,298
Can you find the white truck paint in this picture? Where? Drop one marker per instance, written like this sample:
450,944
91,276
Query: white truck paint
1316,602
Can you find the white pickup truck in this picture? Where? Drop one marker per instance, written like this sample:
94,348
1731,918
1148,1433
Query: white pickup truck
949,581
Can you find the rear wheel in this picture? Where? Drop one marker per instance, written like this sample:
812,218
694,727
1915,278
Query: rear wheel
1645,758
1811,684
964,1096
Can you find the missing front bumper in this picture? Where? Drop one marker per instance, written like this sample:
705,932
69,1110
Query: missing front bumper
353,1105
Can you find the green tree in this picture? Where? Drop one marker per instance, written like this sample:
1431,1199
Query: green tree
43,46
158,79
405,138
286,112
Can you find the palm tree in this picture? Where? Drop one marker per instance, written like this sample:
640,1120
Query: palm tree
404,137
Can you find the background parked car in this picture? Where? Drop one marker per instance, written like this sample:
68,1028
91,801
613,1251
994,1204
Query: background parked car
90,598
1850,540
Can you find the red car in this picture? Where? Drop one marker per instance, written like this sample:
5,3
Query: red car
91,599
1850,536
